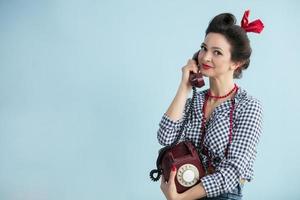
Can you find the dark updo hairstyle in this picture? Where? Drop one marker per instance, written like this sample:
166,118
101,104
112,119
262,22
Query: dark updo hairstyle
225,24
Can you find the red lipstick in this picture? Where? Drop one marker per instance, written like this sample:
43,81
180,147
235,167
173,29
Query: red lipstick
204,66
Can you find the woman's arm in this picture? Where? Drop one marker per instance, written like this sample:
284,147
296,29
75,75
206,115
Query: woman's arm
177,106
175,110
172,120
195,192
173,117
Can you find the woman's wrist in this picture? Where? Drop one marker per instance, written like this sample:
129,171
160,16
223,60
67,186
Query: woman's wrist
185,88
195,192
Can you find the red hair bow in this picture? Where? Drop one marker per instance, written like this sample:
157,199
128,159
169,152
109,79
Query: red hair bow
256,26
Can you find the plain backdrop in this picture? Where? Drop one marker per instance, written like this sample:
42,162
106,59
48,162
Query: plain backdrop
84,84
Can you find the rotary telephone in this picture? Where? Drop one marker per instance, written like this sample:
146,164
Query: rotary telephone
183,155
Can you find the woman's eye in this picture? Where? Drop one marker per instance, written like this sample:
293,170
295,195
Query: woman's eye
217,53
203,48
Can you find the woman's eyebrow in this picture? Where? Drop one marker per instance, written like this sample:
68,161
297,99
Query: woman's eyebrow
212,47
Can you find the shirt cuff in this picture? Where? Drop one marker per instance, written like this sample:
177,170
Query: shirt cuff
211,186
168,124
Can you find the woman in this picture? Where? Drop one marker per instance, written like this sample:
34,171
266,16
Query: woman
227,121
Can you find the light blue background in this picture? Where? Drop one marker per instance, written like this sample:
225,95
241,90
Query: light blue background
84,84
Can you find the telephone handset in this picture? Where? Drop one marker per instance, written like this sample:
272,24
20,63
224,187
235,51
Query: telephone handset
196,79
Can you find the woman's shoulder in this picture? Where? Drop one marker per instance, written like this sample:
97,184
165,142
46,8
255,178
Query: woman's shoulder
244,100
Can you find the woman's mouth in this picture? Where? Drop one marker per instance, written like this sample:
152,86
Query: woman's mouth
204,66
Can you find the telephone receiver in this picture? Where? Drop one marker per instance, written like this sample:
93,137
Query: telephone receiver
196,79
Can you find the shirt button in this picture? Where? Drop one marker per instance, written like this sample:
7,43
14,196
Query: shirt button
217,160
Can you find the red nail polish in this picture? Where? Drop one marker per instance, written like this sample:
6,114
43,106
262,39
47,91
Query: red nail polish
173,168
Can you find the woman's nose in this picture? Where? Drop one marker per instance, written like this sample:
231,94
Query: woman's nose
204,56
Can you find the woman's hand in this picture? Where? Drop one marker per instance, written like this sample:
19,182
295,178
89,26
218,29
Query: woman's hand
169,188
191,66
170,191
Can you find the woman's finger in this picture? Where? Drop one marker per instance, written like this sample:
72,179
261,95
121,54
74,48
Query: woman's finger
172,174
193,65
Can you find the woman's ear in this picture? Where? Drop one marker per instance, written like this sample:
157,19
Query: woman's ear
236,65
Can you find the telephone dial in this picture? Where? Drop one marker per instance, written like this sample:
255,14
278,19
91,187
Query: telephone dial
183,155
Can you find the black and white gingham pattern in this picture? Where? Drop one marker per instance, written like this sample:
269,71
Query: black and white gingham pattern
247,128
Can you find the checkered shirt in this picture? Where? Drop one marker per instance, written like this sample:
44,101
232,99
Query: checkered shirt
247,128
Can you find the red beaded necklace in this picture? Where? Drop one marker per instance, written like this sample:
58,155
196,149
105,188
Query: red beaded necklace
224,96
203,125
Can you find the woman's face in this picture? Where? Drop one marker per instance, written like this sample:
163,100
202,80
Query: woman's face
215,56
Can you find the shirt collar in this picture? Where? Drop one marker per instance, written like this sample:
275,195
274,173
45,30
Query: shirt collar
225,106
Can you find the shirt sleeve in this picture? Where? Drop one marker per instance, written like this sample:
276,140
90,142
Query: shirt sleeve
241,151
169,129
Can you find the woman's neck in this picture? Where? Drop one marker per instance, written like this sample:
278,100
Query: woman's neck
219,87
